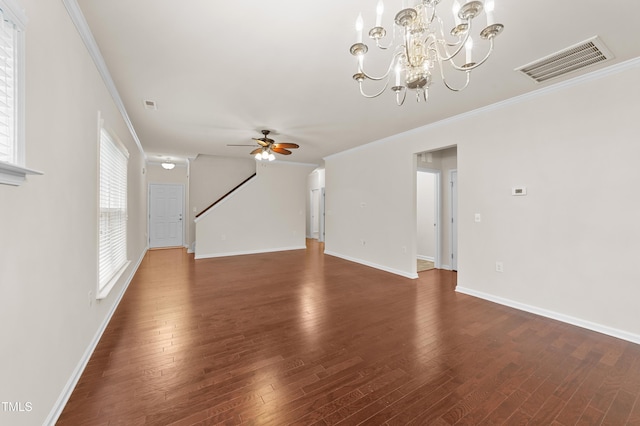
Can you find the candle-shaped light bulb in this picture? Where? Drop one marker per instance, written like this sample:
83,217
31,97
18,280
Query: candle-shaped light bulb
379,10
489,6
455,10
359,26
398,71
469,47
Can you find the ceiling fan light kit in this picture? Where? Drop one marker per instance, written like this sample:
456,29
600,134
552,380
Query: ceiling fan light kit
419,44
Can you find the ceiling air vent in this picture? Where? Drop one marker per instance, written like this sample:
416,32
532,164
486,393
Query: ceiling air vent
150,104
571,59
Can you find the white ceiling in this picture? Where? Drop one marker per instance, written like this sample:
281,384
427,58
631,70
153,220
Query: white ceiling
220,71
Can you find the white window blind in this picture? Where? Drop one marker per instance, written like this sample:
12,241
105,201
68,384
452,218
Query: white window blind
113,209
8,89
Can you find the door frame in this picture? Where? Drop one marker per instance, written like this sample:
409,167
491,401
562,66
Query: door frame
453,237
437,259
319,211
314,212
321,214
149,211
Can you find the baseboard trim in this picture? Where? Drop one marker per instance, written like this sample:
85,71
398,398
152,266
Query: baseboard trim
372,265
445,267
429,258
244,252
56,411
599,328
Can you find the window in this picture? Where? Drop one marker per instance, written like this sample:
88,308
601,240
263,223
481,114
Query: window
8,139
112,251
12,21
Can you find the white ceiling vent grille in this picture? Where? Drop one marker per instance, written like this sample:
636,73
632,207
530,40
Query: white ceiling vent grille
571,59
150,104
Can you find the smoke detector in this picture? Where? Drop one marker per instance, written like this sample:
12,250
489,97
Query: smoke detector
150,104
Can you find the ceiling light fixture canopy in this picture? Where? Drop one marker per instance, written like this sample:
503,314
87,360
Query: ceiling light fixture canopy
419,45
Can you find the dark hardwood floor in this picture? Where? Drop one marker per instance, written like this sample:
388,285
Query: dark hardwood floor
302,338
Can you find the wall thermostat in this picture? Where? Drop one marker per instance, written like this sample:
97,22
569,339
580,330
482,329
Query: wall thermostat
519,190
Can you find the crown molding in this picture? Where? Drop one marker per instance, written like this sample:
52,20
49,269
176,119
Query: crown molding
15,13
76,15
592,76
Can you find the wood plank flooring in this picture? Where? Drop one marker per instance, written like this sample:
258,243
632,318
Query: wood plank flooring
307,339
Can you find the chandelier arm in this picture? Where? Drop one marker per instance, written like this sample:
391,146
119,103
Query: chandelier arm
433,15
477,64
460,45
375,95
386,74
379,46
443,36
393,40
444,80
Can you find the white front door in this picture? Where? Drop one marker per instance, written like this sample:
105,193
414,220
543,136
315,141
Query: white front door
166,203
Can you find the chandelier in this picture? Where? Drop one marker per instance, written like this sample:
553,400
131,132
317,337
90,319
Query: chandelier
420,45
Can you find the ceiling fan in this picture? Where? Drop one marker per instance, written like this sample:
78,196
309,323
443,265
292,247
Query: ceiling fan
267,146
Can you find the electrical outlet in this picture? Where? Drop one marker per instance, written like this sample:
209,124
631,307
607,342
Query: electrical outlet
363,242
499,267
477,217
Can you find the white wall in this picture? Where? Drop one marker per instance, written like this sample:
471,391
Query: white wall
210,177
156,174
267,214
48,226
568,247
426,209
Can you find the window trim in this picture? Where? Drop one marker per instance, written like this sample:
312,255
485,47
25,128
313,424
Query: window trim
104,290
15,173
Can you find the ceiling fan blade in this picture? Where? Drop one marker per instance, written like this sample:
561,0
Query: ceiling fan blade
255,151
281,151
261,141
231,144
286,145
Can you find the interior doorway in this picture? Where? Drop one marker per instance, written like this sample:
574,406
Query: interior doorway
315,213
437,210
315,202
453,177
428,216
